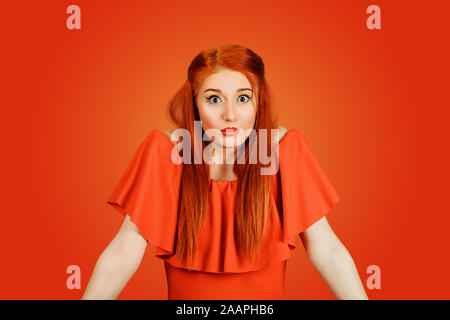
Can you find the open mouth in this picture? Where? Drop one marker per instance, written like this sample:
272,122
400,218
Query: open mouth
230,131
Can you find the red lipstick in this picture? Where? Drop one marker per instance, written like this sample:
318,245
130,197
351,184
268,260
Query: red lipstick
230,131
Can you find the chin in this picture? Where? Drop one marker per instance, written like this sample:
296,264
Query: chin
231,141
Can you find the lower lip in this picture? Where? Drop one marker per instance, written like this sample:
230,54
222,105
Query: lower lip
230,132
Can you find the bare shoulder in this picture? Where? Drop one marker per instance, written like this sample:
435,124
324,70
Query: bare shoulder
282,132
168,133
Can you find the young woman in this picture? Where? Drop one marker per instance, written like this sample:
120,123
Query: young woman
225,229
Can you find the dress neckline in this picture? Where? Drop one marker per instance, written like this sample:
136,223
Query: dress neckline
220,181
224,181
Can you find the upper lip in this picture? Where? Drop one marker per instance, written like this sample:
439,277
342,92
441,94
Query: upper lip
233,128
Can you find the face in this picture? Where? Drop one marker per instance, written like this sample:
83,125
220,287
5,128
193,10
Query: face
226,100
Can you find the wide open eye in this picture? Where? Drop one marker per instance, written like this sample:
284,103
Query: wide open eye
245,100
216,100
213,99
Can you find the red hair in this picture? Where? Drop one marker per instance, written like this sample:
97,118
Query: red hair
253,190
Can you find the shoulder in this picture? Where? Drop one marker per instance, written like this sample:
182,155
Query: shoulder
290,135
292,141
281,133
157,141
168,133
159,145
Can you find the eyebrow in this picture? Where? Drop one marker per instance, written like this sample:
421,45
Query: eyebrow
240,89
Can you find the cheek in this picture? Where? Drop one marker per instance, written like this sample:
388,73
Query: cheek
248,116
208,116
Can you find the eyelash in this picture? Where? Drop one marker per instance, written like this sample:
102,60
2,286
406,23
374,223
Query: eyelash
209,98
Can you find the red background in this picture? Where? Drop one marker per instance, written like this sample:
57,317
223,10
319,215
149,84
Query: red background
77,104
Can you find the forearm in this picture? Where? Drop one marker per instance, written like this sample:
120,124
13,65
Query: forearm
339,272
110,275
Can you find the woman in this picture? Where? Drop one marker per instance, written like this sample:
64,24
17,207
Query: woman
224,229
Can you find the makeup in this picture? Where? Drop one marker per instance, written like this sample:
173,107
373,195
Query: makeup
230,131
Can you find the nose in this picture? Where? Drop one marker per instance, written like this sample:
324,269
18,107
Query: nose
229,112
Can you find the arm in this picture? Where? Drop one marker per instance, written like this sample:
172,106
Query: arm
117,263
332,261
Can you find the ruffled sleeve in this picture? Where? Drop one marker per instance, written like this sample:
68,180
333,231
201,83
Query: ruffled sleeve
307,194
148,192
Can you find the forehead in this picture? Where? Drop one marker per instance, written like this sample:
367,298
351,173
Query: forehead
225,80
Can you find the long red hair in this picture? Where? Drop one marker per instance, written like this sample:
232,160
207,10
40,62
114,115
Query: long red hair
253,188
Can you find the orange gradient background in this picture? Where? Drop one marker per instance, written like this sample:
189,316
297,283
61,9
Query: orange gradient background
77,104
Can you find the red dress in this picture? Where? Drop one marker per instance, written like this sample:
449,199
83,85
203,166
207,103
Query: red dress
148,192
